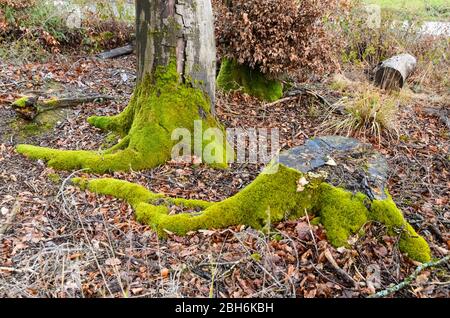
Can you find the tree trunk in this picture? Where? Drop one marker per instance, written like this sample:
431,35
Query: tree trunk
175,90
235,76
180,29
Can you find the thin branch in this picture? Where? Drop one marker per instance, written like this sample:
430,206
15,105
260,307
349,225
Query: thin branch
409,279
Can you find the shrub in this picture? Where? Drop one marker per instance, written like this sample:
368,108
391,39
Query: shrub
367,46
277,36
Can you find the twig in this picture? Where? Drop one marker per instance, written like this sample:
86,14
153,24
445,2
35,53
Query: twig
409,279
312,233
16,270
339,270
282,100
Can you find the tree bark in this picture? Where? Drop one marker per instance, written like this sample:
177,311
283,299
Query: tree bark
180,29
175,90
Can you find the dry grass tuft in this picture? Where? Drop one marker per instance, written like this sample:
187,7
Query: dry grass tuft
368,111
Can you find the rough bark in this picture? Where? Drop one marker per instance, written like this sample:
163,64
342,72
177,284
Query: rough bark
393,72
181,29
175,89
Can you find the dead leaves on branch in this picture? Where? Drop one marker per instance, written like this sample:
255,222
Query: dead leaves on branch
278,36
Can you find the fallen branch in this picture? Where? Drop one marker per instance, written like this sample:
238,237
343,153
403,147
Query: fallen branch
120,51
297,90
339,270
29,107
409,279
16,270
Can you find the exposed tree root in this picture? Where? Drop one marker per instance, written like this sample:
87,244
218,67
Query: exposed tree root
158,107
272,197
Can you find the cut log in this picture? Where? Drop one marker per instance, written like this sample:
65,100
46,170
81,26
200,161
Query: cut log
117,52
30,107
392,73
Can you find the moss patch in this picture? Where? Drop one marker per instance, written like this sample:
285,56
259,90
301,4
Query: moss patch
54,177
234,76
270,198
21,102
159,105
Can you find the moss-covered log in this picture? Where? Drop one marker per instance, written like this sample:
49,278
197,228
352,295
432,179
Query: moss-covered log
176,81
272,197
29,107
234,76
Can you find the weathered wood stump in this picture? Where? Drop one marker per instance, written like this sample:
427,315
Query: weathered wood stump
348,163
340,181
393,72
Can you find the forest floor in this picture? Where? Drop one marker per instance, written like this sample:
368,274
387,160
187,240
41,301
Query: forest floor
64,242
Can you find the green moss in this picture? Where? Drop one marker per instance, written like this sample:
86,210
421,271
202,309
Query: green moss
52,102
270,198
54,177
159,105
21,102
32,129
234,76
256,257
410,242
341,213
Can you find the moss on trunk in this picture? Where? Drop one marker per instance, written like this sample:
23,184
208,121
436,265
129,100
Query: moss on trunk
234,76
159,105
270,198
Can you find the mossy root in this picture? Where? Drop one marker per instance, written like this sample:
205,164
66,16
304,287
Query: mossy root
270,198
158,107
